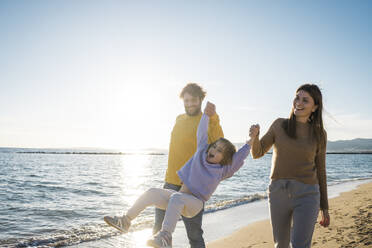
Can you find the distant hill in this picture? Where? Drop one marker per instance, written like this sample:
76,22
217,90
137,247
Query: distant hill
355,145
344,146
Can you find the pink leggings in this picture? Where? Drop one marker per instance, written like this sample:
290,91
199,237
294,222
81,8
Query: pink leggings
175,203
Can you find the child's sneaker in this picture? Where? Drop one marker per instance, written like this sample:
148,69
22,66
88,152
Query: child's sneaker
120,223
162,239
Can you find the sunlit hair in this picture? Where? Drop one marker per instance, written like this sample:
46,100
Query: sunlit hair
228,150
315,119
195,90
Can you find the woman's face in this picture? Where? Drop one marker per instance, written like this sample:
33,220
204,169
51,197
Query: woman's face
303,105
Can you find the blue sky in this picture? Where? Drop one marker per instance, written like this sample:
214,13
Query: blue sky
108,73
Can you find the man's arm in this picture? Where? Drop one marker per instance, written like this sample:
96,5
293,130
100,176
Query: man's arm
215,130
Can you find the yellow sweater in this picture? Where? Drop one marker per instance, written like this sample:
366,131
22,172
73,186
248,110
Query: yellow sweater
183,142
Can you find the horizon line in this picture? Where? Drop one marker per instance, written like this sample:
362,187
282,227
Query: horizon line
136,149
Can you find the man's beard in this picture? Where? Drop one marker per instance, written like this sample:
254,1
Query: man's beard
193,113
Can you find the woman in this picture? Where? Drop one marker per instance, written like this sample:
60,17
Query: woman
298,184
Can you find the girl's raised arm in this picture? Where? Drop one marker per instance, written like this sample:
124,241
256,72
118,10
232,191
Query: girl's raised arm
202,134
237,161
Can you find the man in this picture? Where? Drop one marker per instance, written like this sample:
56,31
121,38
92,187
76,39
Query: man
182,147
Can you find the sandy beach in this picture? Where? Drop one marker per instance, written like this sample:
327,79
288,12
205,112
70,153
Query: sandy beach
351,218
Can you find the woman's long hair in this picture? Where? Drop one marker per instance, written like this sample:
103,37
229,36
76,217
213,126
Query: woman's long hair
315,119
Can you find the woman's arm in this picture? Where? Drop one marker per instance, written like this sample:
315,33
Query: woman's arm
320,162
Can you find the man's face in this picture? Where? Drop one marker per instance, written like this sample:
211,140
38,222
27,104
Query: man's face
192,104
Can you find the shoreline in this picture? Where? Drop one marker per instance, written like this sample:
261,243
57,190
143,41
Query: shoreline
350,213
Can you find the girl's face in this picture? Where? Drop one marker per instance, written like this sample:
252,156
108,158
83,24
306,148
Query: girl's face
215,153
303,105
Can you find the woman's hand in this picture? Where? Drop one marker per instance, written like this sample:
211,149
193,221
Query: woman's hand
325,218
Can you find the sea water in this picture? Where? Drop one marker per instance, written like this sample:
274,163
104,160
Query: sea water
58,198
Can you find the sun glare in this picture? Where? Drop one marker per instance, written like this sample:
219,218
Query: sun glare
134,105
132,173
131,115
140,237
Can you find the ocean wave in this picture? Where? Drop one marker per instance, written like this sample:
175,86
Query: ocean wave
62,238
94,232
340,181
53,187
233,203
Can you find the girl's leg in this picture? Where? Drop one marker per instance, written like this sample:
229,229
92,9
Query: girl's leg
160,213
180,204
280,213
305,214
152,197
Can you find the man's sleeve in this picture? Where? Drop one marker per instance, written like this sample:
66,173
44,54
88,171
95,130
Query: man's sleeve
215,130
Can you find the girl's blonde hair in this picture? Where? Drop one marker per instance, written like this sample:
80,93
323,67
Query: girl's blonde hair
228,150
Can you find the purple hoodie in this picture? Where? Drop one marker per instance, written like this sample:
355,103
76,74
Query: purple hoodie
201,177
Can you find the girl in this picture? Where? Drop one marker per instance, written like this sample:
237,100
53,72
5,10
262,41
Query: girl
200,177
298,175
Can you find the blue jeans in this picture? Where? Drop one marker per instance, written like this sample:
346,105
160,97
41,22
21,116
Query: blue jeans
193,225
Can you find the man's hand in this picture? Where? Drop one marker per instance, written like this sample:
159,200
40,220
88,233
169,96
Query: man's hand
210,109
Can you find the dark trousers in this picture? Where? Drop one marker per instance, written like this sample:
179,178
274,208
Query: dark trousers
193,225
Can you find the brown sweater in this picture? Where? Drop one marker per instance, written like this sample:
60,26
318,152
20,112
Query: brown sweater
300,159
